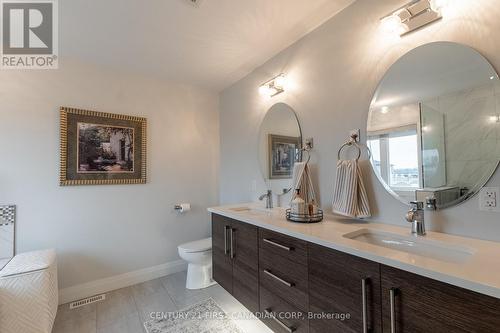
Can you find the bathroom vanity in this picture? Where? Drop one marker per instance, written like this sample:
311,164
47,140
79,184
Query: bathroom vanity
338,276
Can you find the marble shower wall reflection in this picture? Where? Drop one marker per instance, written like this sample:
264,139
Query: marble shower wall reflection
433,147
472,135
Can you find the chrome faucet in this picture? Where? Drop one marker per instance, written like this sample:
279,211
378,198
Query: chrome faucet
269,199
416,216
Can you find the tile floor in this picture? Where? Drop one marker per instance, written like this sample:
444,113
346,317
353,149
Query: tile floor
125,310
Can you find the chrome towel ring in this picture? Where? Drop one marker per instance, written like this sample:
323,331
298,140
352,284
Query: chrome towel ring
350,144
353,142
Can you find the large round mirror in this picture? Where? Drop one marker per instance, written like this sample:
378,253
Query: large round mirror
280,140
434,124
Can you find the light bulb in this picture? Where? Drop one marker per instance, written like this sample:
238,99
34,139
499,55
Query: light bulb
437,5
392,24
280,81
265,90
384,110
495,119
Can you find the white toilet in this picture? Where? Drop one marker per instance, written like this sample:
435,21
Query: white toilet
198,254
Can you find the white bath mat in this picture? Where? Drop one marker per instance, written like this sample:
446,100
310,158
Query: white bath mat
204,317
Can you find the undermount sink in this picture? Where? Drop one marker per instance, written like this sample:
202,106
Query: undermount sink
250,210
414,245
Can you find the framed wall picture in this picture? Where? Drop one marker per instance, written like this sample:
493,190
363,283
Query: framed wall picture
102,148
282,151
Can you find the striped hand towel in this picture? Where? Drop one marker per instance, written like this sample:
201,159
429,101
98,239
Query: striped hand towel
302,180
349,196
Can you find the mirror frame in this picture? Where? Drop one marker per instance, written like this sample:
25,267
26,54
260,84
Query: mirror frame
480,184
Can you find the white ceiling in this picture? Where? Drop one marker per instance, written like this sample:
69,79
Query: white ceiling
212,45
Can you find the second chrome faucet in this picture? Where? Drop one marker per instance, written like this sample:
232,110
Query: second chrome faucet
416,217
269,199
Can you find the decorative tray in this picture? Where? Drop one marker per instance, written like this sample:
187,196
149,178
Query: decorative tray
304,218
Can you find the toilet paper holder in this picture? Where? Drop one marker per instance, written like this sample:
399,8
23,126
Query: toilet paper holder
182,207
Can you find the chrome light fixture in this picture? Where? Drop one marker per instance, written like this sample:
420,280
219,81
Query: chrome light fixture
412,16
273,87
495,119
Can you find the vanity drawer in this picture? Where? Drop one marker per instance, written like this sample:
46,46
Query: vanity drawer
288,247
284,278
286,318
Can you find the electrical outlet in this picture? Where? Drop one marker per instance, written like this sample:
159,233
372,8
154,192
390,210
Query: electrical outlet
490,203
490,193
488,199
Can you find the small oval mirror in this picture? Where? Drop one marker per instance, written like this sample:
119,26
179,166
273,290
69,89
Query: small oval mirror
280,141
434,125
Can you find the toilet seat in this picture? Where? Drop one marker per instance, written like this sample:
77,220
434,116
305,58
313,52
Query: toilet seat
201,245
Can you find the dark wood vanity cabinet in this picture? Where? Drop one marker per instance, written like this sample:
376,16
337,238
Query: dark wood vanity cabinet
285,317
222,266
284,290
422,305
310,288
345,287
235,259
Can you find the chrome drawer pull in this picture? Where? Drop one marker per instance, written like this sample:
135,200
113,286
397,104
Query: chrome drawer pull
277,278
392,297
270,314
231,240
226,248
364,302
283,247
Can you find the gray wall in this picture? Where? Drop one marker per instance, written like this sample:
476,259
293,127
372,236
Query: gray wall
334,72
102,231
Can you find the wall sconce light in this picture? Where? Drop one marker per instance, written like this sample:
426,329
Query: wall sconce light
273,87
412,16
495,119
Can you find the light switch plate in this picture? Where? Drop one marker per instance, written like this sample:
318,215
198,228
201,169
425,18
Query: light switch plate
488,199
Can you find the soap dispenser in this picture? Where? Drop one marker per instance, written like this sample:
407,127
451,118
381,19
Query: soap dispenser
298,205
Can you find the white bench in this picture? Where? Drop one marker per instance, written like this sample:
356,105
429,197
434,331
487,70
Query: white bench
28,293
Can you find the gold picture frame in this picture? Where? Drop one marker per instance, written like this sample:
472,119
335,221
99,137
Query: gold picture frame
100,148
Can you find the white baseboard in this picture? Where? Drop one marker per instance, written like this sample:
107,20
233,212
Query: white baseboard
100,286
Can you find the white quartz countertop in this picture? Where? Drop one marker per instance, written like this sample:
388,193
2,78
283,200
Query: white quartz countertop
480,272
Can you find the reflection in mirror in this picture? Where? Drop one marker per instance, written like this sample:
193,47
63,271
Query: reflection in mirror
432,126
280,140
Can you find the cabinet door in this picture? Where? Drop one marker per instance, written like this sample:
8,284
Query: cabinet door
222,266
423,305
345,287
245,258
